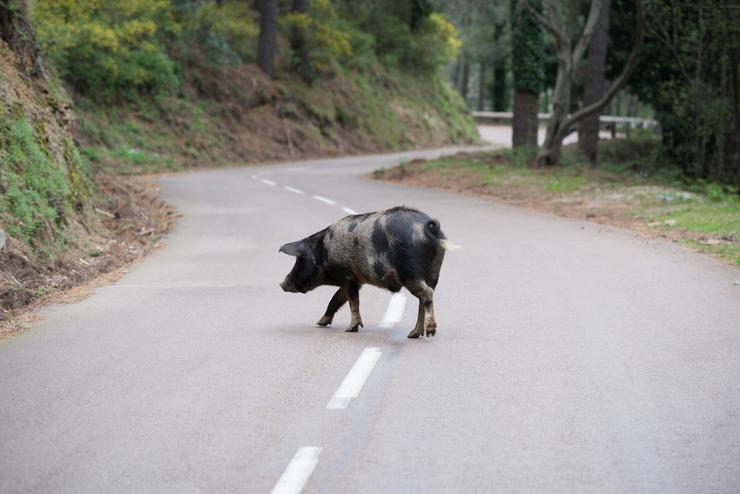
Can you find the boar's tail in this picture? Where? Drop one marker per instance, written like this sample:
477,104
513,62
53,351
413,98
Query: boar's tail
434,230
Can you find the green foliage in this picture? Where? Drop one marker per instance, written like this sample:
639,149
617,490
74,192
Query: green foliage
407,37
118,50
688,73
329,38
528,49
224,33
108,49
437,42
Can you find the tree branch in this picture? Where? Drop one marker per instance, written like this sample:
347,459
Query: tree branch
623,77
588,31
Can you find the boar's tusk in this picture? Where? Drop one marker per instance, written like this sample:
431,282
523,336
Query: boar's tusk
449,246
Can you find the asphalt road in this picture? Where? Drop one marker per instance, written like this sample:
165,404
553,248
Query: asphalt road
569,357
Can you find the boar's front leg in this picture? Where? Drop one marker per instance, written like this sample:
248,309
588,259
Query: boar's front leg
353,290
426,320
337,301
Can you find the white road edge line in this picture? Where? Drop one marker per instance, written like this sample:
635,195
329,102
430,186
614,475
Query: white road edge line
394,311
298,471
267,182
324,199
355,379
293,189
349,211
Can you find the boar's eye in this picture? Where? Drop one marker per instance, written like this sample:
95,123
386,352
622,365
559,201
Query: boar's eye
296,249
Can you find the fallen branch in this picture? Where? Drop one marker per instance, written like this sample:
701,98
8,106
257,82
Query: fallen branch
105,213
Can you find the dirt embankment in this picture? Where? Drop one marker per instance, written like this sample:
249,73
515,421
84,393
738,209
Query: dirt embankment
238,115
132,221
61,227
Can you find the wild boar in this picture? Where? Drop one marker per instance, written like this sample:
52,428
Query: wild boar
396,248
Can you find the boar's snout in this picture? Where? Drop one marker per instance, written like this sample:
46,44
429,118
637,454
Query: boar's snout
288,286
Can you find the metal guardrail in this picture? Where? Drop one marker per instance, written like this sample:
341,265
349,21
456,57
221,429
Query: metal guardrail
607,121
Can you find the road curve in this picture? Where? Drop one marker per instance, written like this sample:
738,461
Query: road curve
569,357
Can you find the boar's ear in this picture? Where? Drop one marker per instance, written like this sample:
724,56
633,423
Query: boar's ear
296,249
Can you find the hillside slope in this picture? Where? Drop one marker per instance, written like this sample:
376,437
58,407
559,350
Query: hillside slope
241,116
164,85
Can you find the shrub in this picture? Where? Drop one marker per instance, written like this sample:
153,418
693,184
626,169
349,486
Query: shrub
108,49
226,33
328,37
436,44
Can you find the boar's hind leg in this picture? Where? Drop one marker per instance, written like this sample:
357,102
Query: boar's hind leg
425,321
353,290
419,328
337,301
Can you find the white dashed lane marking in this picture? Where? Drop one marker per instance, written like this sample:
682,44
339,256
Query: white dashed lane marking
355,379
394,312
267,182
298,471
293,189
324,199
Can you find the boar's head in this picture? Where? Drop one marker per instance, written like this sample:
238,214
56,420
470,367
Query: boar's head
308,271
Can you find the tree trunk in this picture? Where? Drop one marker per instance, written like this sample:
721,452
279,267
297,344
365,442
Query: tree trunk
550,152
267,43
457,72
499,87
481,86
595,85
568,59
499,75
527,55
465,82
299,44
525,124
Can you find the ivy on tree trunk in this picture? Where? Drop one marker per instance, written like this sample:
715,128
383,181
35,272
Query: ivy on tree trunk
528,69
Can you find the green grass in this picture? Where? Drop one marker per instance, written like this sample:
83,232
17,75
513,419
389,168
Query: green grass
565,184
717,218
631,170
729,252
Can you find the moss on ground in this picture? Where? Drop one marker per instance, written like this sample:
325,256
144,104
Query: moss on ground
40,193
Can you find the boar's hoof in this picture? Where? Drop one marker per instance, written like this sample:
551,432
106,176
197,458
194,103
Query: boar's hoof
354,328
431,329
325,321
416,332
